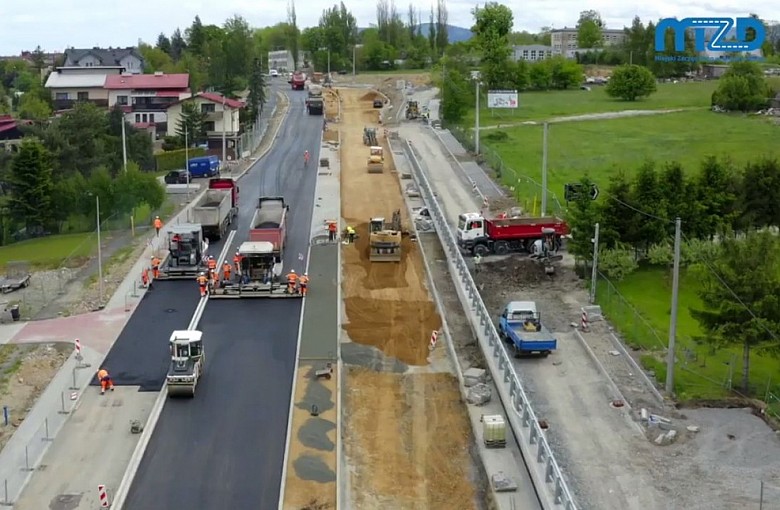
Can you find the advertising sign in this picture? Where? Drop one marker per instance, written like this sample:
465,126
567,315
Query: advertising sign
502,99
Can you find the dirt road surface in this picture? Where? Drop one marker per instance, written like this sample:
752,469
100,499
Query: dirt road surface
406,432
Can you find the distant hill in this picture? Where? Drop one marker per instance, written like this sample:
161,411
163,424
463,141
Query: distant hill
454,34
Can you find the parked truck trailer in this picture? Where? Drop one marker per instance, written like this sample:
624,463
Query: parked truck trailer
217,208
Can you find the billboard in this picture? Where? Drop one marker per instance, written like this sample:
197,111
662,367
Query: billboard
502,99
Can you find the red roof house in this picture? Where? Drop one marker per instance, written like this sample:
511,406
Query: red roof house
145,98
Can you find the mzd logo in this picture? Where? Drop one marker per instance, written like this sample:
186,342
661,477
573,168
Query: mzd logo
717,42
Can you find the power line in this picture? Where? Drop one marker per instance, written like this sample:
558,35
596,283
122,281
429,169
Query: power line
643,213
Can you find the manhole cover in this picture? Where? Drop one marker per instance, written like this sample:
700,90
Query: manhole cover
170,310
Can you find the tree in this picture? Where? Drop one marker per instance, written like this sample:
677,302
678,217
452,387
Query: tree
155,59
178,45
442,37
293,33
191,123
646,196
760,197
456,95
589,27
134,187
617,262
164,44
564,73
617,215
716,185
740,294
582,216
492,26
630,82
256,98
742,88
197,38
637,46
32,186
32,107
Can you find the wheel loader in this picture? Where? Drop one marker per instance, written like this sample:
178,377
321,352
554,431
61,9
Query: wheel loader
376,160
385,239
369,136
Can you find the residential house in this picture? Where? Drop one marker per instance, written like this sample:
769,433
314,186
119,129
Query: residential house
532,52
145,98
69,85
129,58
282,60
564,40
221,116
10,132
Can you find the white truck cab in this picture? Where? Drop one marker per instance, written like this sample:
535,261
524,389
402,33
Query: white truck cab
471,226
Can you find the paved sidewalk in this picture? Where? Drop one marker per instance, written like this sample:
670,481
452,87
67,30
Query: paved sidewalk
90,436
312,457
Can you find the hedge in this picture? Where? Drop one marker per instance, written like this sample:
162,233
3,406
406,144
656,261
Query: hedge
175,160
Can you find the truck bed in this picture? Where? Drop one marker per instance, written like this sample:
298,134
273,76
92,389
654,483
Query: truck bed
531,341
269,216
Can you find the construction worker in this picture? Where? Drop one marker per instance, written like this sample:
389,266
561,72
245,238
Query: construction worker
226,267
292,280
306,158
105,381
155,267
202,283
477,261
332,231
350,235
212,263
158,224
237,258
303,283
145,277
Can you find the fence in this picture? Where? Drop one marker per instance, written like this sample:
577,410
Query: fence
545,472
250,140
701,372
24,452
526,190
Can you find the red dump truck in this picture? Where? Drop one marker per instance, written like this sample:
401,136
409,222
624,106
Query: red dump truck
217,208
481,236
268,223
298,80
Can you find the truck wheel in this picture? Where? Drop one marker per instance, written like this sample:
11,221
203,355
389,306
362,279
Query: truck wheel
501,248
481,250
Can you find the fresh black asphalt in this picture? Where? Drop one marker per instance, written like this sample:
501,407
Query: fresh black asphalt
140,355
225,448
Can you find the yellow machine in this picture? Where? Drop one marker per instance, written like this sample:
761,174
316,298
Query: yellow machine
412,110
385,239
376,161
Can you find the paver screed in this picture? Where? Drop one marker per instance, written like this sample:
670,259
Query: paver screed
407,436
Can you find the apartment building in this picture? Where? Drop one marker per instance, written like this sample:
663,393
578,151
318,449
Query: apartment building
564,40
532,52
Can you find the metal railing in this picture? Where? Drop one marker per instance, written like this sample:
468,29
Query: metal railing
549,480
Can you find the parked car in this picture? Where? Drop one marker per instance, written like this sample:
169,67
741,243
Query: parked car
273,73
343,72
177,177
378,103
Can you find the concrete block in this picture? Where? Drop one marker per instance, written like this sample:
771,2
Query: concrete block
692,428
502,483
474,376
479,394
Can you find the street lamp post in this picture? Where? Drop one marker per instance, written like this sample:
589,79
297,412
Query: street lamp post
124,144
187,157
224,133
100,250
476,121
328,50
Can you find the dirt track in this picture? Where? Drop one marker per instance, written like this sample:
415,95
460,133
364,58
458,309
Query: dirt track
406,432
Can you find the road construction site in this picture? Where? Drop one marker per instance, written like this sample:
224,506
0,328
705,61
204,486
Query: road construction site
611,460
407,438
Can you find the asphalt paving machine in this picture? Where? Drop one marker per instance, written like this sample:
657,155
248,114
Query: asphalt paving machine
186,252
369,136
385,239
412,110
376,160
260,274
188,360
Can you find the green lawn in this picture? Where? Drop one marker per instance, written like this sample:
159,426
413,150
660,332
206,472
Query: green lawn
601,147
701,372
561,103
51,251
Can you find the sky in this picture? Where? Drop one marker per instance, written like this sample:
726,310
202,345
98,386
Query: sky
59,24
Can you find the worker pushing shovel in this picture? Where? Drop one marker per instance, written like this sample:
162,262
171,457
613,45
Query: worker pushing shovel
105,381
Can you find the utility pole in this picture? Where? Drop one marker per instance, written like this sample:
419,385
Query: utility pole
328,62
595,274
476,122
354,55
187,157
124,144
544,170
100,250
673,316
224,133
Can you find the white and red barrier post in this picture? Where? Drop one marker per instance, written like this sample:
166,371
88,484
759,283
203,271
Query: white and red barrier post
434,339
584,321
103,496
77,346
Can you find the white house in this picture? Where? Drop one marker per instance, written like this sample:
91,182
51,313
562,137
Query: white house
69,85
129,58
532,52
221,115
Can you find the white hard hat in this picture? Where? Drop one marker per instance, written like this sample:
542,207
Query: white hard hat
157,217
305,274
226,261
211,256
152,257
292,270
202,273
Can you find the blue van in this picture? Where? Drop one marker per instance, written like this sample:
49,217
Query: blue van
204,166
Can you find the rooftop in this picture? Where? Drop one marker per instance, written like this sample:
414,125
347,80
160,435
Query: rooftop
110,56
59,80
148,81
603,30
219,98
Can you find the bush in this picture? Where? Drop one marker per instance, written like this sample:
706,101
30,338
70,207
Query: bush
175,160
172,143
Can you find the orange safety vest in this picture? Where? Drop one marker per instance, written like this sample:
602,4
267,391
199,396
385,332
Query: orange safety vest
331,227
145,273
226,268
157,223
155,262
212,264
303,280
202,281
291,277
237,260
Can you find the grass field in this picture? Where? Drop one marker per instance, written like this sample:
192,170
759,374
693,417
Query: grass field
51,251
701,372
562,103
601,147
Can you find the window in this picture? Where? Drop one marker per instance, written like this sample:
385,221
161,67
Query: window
209,126
83,96
151,118
121,100
137,118
208,108
61,96
143,118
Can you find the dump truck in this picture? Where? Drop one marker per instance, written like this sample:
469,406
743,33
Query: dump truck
186,252
260,272
376,161
188,360
298,80
412,110
481,236
217,208
385,239
369,136
315,104
520,325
